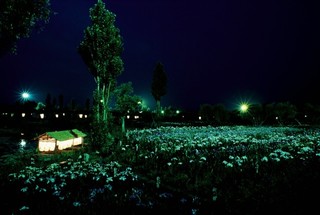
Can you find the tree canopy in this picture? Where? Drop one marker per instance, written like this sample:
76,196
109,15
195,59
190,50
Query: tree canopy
125,101
18,19
125,98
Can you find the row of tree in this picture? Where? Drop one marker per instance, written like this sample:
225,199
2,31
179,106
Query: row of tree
281,113
100,49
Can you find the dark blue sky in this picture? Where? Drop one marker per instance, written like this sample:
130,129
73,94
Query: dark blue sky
212,51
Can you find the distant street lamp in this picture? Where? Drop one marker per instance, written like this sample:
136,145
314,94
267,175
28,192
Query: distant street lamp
25,96
244,108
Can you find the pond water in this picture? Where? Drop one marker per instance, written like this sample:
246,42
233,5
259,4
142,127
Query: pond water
9,145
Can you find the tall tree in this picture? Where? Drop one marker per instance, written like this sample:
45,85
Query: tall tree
72,105
18,19
159,85
54,103
48,101
100,49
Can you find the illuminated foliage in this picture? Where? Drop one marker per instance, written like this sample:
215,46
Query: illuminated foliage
126,101
18,19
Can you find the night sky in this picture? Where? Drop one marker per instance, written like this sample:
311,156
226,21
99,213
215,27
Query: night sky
213,52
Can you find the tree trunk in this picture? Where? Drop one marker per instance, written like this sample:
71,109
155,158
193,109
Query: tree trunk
123,125
158,108
98,96
105,101
104,117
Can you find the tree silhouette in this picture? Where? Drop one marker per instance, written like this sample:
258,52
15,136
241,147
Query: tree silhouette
220,113
284,112
48,102
61,102
206,112
159,85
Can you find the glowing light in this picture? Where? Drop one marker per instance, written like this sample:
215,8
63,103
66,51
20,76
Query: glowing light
46,145
244,107
177,111
25,95
22,143
41,115
143,104
243,99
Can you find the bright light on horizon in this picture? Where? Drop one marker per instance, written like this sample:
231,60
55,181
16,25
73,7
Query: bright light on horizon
25,95
244,107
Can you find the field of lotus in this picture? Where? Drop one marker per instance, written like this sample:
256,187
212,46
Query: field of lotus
190,170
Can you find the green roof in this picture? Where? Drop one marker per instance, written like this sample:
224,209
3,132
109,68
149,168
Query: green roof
66,135
78,133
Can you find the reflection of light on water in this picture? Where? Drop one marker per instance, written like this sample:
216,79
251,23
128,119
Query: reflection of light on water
22,143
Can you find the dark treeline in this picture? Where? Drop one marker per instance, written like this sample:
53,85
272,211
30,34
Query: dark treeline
57,116
280,113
